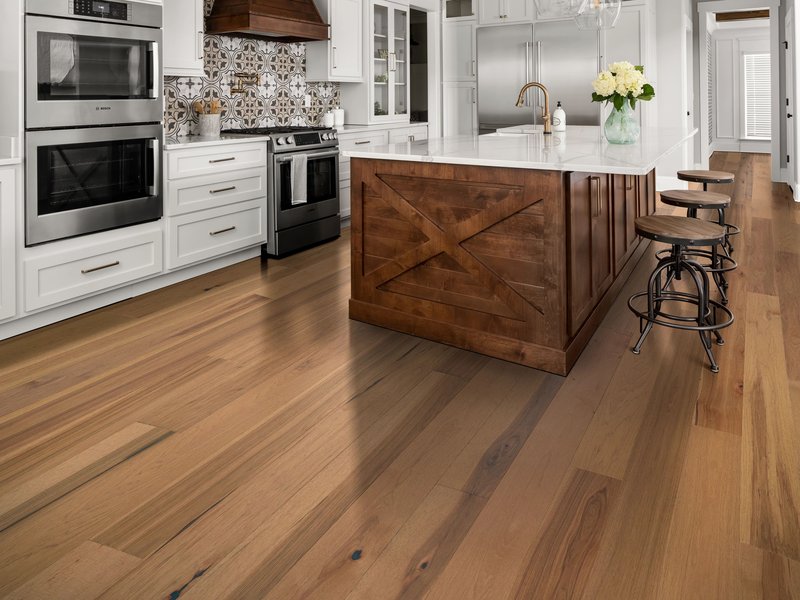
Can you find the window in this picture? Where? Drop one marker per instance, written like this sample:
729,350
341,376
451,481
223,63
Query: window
757,96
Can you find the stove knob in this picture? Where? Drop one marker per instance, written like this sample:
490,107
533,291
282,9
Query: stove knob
290,139
280,141
326,136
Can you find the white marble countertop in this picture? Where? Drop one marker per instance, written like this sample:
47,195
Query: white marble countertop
580,148
197,141
379,127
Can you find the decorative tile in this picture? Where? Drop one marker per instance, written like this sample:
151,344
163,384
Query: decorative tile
278,99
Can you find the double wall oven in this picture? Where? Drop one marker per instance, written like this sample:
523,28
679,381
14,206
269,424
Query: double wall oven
93,116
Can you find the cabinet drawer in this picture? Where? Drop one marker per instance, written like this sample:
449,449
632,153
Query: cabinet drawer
94,267
212,191
410,134
378,138
215,159
211,233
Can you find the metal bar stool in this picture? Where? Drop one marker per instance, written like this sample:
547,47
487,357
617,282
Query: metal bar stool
682,233
706,178
718,263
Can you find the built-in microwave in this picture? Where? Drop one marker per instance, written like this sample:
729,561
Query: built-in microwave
81,181
91,62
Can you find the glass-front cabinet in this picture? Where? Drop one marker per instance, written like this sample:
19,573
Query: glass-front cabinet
390,90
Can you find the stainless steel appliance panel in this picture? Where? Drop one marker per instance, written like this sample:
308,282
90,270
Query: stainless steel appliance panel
81,181
323,189
567,61
87,73
505,57
135,13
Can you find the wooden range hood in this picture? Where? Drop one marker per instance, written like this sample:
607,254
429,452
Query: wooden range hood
278,20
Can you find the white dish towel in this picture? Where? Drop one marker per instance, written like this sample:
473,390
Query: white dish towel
299,179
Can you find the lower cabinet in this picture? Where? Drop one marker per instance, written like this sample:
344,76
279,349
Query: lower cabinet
460,109
209,233
8,202
69,270
625,202
591,258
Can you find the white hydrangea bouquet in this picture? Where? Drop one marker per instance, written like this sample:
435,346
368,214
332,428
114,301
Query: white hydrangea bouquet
622,82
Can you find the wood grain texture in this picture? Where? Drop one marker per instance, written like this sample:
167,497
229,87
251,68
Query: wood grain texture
83,574
559,564
770,446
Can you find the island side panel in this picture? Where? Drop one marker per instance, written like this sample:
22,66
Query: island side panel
470,256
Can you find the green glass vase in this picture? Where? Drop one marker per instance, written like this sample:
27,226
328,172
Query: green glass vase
622,126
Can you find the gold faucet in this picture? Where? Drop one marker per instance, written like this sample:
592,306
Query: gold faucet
548,121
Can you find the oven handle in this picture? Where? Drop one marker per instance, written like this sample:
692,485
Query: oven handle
154,93
312,156
155,146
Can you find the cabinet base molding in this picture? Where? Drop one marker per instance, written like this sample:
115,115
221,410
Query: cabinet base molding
78,307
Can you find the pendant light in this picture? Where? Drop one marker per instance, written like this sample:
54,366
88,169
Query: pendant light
598,14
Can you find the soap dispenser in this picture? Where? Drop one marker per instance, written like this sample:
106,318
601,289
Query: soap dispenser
559,118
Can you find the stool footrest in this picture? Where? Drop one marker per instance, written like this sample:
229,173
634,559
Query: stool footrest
676,322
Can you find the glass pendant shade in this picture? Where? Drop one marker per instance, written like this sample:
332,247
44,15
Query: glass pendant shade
558,8
598,14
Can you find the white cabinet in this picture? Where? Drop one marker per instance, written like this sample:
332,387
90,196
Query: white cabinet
408,134
387,94
216,201
459,112
341,57
66,270
504,11
458,51
458,9
183,38
8,202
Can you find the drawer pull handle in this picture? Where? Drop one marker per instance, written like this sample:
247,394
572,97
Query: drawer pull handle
219,191
226,230
220,160
362,143
100,268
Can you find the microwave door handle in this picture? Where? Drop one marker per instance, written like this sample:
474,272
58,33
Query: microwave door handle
155,146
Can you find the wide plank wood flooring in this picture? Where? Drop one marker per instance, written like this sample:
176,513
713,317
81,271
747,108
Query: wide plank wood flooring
237,437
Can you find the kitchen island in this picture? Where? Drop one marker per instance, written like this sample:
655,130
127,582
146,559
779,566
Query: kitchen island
513,245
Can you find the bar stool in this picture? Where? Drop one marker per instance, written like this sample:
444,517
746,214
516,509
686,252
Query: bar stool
692,201
682,233
706,178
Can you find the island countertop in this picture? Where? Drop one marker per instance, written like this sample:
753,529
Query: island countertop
580,148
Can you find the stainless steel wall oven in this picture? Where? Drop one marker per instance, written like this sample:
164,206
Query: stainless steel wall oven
93,117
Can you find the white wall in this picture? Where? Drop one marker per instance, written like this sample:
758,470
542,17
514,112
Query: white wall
729,44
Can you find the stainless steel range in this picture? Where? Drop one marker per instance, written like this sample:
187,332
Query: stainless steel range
303,198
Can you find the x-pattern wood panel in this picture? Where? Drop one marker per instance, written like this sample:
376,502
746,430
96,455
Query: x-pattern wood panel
448,237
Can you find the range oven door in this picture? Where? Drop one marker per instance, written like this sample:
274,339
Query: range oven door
81,181
83,73
322,191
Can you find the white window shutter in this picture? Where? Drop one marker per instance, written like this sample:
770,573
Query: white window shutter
757,96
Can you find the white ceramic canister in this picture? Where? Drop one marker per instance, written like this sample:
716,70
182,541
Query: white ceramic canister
327,119
209,125
338,117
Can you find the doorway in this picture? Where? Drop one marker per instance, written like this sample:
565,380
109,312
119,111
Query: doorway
791,108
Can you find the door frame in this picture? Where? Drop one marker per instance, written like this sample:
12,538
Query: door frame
707,10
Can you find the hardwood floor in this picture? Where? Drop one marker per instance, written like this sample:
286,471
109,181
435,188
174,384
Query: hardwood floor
236,436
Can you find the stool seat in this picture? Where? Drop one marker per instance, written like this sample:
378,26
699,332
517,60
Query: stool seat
683,231
706,177
695,199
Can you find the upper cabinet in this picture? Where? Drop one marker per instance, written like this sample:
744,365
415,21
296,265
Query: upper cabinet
458,51
341,57
183,38
504,11
387,96
459,9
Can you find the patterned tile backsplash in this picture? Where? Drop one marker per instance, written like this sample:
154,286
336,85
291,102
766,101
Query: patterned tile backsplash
278,99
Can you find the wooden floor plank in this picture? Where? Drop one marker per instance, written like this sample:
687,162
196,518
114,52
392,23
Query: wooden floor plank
559,564
30,495
770,489
710,478
83,574
768,576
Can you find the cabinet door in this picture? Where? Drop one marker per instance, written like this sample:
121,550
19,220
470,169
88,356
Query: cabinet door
459,109
625,205
183,38
491,11
458,51
346,39
8,202
591,248
518,10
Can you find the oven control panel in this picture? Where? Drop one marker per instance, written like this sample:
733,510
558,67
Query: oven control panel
304,140
100,9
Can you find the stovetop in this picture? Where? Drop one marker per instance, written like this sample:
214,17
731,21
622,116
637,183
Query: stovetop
293,139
